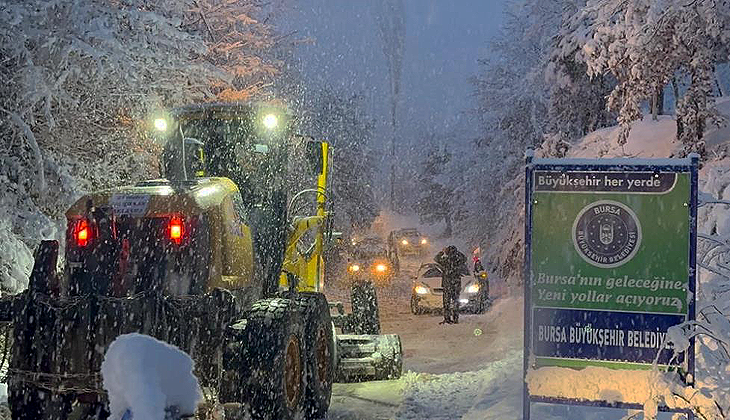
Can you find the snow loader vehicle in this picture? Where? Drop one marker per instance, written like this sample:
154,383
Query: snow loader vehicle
214,259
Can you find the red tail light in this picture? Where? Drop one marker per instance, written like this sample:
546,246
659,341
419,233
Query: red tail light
176,230
82,233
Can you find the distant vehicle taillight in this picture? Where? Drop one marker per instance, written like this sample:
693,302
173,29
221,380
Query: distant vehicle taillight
176,229
82,233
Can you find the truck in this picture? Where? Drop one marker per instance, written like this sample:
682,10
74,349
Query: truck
218,258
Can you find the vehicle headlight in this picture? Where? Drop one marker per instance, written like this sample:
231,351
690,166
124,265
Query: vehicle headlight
404,242
160,124
424,241
421,290
270,121
354,268
464,301
381,268
483,275
472,288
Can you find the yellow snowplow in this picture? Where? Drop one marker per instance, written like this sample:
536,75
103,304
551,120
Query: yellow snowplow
216,259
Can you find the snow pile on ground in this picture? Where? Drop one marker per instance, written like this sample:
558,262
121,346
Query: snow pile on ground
452,395
491,393
712,328
647,139
483,355
146,376
592,383
16,260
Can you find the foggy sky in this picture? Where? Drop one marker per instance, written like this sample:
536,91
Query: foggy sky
443,41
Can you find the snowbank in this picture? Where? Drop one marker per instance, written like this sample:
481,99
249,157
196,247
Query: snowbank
647,139
145,376
491,393
27,218
462,394
591,383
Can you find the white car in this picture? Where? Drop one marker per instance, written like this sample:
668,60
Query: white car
427,293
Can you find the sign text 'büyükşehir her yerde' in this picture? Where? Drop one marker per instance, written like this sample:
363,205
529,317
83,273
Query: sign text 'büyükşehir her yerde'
631,182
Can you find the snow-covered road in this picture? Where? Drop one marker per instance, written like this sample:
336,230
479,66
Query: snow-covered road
450,371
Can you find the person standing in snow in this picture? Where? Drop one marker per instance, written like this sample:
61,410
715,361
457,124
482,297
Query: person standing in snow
480,274
478,267
452,264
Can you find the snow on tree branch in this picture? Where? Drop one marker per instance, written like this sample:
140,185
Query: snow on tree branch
646,45
80,79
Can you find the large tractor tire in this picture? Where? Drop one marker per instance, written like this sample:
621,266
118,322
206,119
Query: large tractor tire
28,402
273,356
319,354
365,314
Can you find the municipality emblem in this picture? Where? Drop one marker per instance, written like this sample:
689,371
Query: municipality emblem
606,233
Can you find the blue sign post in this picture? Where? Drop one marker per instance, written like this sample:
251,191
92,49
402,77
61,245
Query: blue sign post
610,252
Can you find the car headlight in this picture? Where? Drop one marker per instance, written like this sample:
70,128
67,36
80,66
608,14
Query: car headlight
421,290
404,242
483,275
424,241
472,288
381,268
160,124
354,268
465,301
270,121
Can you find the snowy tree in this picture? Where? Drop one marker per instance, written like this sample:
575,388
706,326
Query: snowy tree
577,103
391,24
645,45
82,76
239,41
440,192
513,108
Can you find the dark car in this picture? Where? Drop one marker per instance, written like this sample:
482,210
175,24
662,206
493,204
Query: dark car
372,259
409,242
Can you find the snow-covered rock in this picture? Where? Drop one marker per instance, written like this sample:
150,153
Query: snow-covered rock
145,376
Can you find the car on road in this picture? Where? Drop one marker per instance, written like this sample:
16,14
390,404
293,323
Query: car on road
408,242
427,293
371,259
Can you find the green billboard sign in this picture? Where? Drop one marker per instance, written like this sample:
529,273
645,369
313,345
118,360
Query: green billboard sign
610,255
